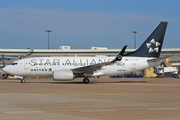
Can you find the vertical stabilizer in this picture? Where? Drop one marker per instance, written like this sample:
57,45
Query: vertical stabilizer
153,44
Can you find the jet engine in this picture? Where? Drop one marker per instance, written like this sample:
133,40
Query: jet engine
3,75
63,75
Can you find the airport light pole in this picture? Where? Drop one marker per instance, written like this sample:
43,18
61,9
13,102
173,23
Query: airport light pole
134,39
48,36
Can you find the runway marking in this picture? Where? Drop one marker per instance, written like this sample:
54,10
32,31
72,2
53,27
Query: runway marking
105,92
48,92
77,111
59,111
161,91
163,109
149,91
132,110
140,92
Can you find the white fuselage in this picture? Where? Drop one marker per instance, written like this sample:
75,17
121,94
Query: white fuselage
44,66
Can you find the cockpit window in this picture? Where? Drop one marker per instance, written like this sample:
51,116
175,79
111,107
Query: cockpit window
14,63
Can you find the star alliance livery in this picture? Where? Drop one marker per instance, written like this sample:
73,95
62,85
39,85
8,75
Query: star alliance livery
69,68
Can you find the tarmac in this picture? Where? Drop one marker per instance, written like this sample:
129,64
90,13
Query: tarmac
101,99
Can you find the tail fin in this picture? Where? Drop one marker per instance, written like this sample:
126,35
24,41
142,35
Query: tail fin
153,44
4,65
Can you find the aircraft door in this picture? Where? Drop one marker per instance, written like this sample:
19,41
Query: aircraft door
26,64
133,64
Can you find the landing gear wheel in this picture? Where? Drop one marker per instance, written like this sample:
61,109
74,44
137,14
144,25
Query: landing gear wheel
86,80
23,81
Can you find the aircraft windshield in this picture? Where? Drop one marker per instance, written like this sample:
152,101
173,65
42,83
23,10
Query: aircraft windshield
13,63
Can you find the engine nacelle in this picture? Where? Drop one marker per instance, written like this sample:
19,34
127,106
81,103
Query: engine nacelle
3,75
63,75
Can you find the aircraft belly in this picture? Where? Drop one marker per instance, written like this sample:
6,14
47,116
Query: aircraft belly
36,74
127,67
99,73
113,70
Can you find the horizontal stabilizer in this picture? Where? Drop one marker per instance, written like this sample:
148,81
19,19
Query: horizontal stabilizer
161,58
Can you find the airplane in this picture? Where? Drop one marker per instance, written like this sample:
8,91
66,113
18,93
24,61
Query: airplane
69,68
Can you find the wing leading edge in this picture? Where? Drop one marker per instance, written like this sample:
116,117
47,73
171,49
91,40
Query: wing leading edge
91,68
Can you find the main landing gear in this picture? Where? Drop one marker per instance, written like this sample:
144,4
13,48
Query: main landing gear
86,80
22,81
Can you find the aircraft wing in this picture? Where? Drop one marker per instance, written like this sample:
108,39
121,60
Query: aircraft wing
160,58
92,68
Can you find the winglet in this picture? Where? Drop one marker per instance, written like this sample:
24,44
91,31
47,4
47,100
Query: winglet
120,55
4,65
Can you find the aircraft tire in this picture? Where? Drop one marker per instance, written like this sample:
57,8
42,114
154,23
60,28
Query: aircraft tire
23,81
86,80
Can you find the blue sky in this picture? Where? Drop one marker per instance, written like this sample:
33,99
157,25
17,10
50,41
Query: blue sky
83,24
